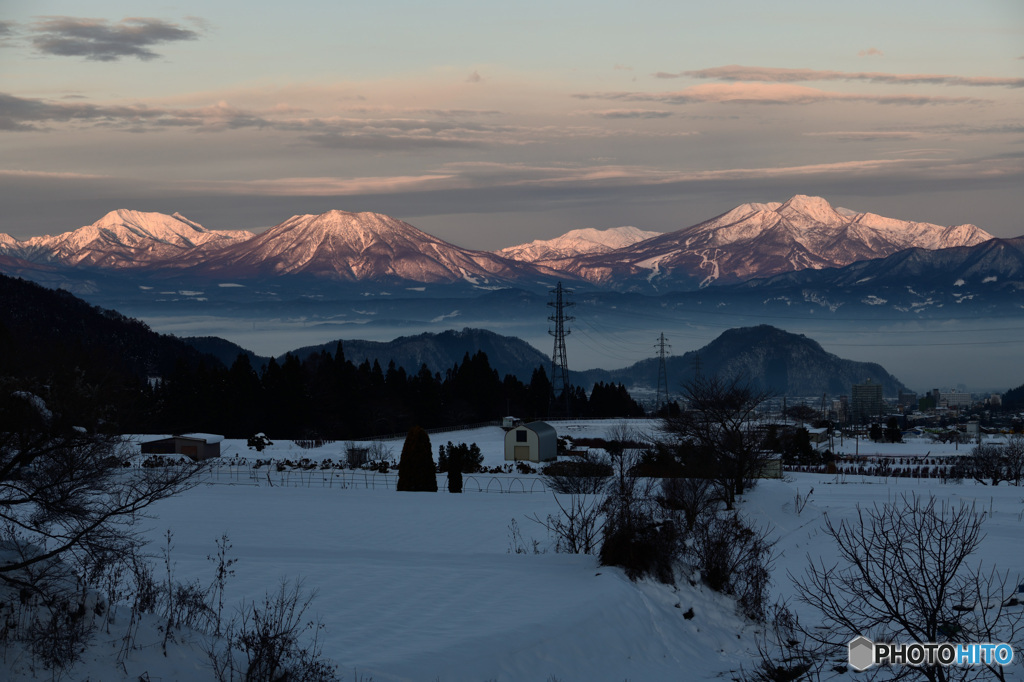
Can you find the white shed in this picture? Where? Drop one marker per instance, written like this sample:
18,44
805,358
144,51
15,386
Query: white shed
533,442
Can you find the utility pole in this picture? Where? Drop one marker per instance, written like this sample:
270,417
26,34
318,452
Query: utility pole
662,398
559,365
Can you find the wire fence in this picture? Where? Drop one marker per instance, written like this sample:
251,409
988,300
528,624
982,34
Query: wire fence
348,479
440,429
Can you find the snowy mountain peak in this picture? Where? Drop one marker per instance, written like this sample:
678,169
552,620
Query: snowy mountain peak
745,210
815,208
576,243
125,238
344,232
759,240
360,246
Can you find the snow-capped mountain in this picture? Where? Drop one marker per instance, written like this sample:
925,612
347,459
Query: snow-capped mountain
359,246
750,241
993,265
759,240
986,279
576,243
122,239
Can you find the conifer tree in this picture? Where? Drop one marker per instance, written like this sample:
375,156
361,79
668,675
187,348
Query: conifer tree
416,470
455,468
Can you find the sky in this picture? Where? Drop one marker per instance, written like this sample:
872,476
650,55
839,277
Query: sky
491,124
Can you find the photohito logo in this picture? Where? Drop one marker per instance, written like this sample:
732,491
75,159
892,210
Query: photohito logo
864,653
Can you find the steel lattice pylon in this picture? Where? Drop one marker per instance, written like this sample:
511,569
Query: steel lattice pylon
662,399
559,365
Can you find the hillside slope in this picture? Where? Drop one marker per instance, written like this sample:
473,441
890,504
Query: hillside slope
774,359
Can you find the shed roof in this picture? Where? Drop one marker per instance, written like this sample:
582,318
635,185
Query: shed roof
541,428
208,438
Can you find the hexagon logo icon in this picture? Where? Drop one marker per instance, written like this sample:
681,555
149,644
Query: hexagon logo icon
862,654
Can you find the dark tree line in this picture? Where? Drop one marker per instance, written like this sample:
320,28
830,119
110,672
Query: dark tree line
328,396
114,374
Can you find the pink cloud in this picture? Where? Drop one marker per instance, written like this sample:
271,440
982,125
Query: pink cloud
767,93
735,72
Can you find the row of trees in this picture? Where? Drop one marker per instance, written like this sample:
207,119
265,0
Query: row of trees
329,396
991,463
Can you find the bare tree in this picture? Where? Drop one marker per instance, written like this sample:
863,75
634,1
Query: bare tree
986,464
903,576
1013,457
719,433
273,641
638,535
735,558
692,496
68,502
784,652
578,524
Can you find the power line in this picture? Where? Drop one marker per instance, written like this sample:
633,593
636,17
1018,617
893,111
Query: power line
700,311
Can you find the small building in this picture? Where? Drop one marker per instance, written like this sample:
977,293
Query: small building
510,422
198,446
771,467
819,435
533,442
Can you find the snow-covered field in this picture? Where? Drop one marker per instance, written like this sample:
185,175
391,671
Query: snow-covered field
422,586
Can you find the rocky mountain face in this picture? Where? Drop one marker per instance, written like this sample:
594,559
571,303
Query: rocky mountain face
760,240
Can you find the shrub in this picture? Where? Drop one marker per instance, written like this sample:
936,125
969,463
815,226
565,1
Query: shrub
582,475
274,641
258,442
643,547
466,458
455,480
638,536
735,559
692,496
577,526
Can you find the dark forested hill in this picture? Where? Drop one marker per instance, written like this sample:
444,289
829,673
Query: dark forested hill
98,359
440,352
789,364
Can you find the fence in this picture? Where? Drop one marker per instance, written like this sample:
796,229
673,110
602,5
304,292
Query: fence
440,429
343,479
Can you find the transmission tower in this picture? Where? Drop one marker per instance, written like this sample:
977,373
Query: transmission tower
559,365
662,399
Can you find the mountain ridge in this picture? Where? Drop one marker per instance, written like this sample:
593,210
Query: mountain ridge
752,240
761,240
576,243
785,363
123,238
360,246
